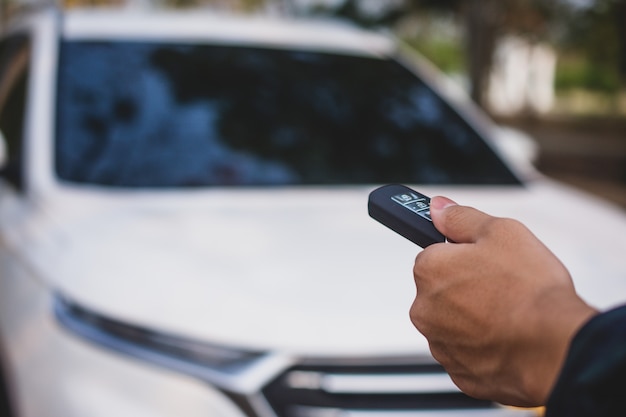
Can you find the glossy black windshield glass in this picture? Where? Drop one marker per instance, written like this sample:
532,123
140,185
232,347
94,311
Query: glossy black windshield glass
167,115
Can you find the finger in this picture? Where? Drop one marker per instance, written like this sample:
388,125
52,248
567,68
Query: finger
458,223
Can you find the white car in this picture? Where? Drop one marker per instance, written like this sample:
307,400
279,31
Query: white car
184,228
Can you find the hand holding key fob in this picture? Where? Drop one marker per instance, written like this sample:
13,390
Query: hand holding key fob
406,212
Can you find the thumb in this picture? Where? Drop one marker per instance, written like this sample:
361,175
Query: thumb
459,224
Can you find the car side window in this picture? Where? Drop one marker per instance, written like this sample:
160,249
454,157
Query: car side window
14,65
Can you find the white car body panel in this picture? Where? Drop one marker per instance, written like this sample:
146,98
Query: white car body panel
185,256
297,272
93,384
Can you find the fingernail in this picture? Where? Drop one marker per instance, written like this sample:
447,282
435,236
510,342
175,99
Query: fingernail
440,203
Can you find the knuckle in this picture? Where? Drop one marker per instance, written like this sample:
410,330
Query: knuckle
468,386
428,261
421,317
421,264
439,353
416,314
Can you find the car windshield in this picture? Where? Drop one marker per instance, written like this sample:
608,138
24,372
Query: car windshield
148,114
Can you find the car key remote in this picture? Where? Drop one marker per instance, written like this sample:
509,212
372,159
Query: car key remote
406,212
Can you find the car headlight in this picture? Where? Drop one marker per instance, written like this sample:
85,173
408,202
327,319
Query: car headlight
232,369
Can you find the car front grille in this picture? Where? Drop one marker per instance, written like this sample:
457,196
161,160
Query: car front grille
362,390
275,385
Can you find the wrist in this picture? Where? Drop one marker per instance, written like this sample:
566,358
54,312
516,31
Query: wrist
556,325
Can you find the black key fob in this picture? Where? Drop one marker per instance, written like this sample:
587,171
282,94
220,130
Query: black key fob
406,212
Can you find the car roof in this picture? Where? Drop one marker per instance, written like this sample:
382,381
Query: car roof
222,28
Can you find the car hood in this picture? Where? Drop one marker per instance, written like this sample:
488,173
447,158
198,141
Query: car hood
303,271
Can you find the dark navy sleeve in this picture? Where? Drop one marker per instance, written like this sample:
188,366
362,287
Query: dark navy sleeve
592,382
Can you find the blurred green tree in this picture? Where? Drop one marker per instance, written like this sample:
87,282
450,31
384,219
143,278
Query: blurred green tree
485,22
594,46
594,31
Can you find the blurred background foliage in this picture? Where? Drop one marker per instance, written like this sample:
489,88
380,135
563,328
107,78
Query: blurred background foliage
462,36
